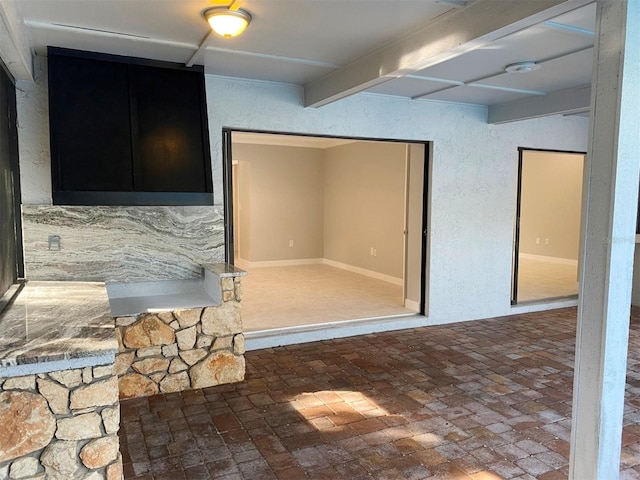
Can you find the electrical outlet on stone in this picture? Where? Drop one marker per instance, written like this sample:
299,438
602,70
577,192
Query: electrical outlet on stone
53,242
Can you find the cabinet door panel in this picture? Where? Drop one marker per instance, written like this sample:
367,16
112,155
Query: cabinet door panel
169,143
91,129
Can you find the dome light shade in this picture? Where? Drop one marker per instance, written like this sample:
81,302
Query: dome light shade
227,23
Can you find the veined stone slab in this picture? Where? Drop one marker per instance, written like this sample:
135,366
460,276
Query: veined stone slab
126,244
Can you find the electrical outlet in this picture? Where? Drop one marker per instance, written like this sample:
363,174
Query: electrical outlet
291,243
546,241
54,242
537,240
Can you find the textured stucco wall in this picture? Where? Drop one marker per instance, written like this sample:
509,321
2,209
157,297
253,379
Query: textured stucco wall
473,180
473,176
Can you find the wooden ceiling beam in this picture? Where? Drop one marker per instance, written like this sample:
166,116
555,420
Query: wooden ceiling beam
450,35
15,51
562,102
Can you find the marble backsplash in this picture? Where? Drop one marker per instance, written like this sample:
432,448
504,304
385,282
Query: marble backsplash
125,244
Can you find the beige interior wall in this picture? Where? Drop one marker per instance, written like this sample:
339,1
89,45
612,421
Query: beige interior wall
635,290
364,187
286,202
242,209
416,165
551,203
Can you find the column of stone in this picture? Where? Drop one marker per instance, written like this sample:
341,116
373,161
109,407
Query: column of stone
182,349
61,424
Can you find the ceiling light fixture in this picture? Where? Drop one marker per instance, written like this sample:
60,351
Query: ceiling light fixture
522,67
226,22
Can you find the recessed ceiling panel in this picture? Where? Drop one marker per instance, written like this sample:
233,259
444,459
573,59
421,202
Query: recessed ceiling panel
408,87
583,18
296,41
257,68
159,19
479,96
533,44
321,30
570,71
114,46
330,30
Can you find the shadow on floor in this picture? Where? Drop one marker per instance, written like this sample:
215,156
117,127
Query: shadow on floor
481,400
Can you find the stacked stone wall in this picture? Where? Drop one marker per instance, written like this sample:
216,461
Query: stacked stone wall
60,425
182,349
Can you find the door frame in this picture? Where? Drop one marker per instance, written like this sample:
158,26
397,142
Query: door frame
227,175
515,252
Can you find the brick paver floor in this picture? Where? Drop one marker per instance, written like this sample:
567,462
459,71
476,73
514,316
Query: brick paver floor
481,400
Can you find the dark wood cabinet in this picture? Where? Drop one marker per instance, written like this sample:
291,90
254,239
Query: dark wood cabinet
127,131
169,153
90,126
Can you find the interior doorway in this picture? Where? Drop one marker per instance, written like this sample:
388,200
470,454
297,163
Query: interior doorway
547,230
329,229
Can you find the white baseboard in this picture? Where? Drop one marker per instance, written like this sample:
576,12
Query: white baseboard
246,264
364,271
242,263
543,258
412,305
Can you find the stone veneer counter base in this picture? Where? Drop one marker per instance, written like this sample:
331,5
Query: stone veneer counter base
182,348
63,368
59,405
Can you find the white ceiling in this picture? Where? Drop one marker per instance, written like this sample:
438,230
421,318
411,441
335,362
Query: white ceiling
301,41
